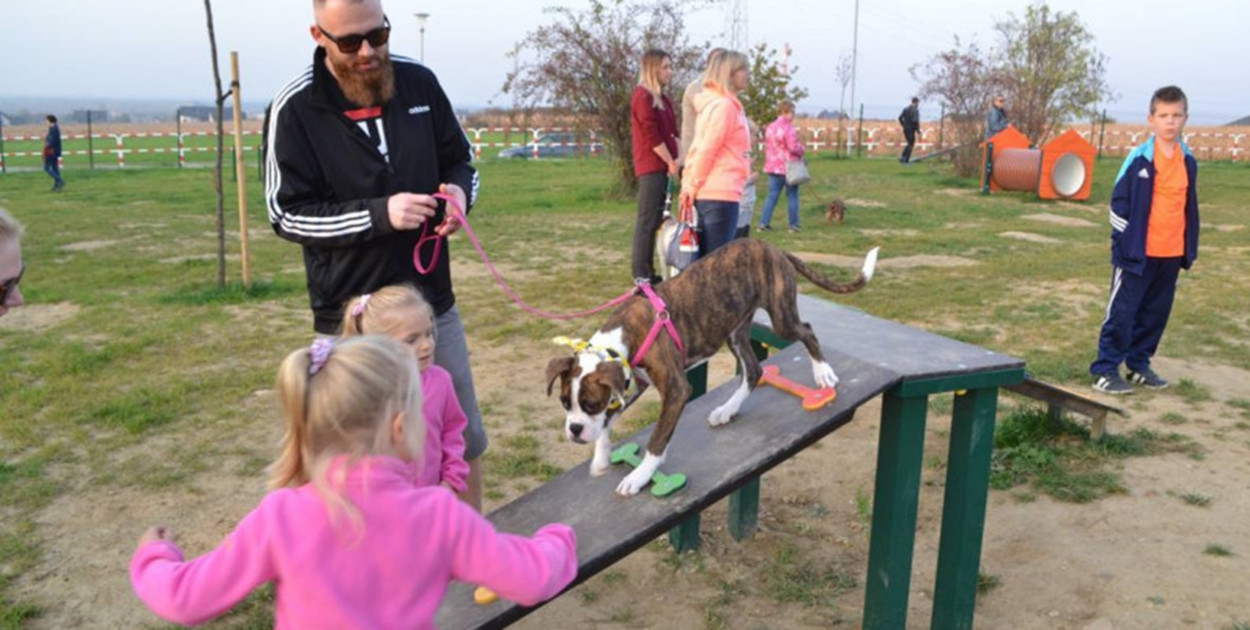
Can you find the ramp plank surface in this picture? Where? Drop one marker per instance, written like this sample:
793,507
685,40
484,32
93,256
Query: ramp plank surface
771,427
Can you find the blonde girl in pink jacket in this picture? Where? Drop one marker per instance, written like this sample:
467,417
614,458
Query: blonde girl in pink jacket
719,160
399,312
347,536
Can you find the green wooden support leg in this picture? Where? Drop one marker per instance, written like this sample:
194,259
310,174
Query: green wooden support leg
744,510
744,503
900,452
963,511
685,537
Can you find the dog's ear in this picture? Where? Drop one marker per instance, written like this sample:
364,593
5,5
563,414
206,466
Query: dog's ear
558,367
613,376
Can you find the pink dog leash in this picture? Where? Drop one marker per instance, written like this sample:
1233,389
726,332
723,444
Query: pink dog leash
458,212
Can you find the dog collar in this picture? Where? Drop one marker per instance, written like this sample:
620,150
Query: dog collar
581,346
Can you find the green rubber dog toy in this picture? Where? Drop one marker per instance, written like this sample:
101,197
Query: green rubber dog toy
662,485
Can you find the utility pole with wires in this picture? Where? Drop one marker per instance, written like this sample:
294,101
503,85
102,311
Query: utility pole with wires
855,61
736,34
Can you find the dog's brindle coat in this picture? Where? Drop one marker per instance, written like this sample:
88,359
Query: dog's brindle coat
712,301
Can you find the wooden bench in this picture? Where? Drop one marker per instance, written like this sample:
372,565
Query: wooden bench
1058,400
873,357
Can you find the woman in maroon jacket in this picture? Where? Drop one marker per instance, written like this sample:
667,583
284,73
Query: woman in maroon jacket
654,127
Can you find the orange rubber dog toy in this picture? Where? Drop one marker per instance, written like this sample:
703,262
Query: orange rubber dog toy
813,399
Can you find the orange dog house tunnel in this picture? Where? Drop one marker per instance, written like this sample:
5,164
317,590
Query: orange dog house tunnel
1063,169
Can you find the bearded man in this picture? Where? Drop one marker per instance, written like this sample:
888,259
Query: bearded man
356,146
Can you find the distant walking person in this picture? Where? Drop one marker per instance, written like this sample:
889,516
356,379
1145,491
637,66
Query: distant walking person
1154,234
996,120
910,120
653,126
52,154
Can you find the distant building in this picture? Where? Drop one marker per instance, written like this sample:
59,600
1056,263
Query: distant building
95,115
204,113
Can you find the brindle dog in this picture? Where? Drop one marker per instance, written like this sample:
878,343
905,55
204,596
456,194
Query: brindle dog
712,301
836,211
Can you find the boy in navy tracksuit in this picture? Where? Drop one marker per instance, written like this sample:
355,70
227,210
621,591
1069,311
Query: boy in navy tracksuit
1154,234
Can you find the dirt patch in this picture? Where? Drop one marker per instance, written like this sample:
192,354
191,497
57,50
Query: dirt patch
959,192
887,233
1030,237
1224,228
1059,219
863,203
902,262
89,246
38,317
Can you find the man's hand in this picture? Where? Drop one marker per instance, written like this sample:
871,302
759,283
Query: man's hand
409,211
451,224
155,533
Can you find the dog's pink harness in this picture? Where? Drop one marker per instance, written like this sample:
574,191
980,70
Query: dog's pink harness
662,321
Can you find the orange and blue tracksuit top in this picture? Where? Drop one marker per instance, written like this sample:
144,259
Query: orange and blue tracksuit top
1131,201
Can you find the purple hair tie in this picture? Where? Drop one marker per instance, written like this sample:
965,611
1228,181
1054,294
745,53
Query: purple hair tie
359,309
318,354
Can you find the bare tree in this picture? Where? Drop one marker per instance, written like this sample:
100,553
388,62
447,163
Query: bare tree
1052,70
221,99
964,80
586,63
844,71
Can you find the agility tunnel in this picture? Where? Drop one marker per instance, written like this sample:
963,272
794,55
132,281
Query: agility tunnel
1062,169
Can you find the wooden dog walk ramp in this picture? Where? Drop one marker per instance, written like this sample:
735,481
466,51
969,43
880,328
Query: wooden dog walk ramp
771,427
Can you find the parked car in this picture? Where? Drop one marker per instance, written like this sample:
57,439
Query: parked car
556,144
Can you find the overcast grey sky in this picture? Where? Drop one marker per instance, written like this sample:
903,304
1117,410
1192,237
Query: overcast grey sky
158,48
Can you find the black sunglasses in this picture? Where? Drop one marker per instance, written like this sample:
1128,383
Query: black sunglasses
10,286
350,44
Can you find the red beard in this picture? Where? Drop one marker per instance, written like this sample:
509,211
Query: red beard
365,87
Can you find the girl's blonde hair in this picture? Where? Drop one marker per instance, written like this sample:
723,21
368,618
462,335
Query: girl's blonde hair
720,72
379,313
9,227
649,75
338,398
785,108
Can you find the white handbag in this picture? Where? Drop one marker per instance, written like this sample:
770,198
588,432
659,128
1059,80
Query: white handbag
796,172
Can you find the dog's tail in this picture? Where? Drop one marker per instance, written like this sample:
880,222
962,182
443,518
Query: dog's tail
865,274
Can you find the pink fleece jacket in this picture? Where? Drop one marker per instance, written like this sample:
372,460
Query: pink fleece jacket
719,159
444,432
781,144
393,575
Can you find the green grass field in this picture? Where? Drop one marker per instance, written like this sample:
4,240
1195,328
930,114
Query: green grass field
128,346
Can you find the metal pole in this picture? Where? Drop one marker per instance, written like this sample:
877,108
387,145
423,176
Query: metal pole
1102,130
855,59
941,126
859,140
4,169
421,18
90,142
240,168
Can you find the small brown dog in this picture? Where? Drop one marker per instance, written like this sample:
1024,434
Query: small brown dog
835,212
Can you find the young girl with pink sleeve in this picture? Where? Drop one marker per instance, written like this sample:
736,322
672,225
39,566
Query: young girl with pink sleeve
400,313
347,535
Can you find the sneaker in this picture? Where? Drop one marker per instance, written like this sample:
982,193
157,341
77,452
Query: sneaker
795,228
1112,384
764,228
1146,377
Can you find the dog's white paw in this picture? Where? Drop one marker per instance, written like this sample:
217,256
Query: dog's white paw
721,415
823,374
633,482
599,468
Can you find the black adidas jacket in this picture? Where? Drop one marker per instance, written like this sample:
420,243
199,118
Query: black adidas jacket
327,183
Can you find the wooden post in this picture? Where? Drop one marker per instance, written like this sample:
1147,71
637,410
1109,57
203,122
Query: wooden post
240,169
